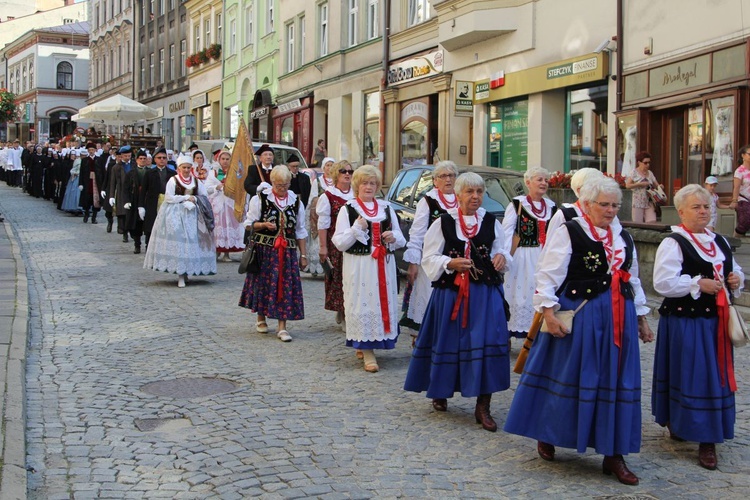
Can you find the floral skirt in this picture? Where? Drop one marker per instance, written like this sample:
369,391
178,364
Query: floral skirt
333,285
260,291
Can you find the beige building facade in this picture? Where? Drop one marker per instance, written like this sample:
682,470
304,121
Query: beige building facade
111,49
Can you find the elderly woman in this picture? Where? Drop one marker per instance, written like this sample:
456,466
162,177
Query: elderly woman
327,209
463,342
326,180
72,194
277,218
433,204
639,180
694,383
180,242
525,226
367,231
569,211
581,387
741,192
228,233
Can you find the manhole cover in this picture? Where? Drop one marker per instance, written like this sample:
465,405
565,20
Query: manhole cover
152,424
636,496
188,388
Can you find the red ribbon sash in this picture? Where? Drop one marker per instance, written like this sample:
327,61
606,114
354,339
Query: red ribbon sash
378,253
280,244
726,364
542,224
462,281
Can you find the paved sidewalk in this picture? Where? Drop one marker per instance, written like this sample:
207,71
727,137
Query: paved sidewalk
14,309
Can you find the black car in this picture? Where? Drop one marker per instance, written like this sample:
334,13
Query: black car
411,184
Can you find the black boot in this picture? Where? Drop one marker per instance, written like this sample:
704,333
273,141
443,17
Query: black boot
137,249
482,413
109,226
85,216
93,219
125,238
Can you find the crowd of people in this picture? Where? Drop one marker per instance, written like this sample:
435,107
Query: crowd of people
566,277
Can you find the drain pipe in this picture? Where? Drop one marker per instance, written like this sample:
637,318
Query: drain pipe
384,84
620,52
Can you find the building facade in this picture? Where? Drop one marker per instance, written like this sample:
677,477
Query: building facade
47,69
19,17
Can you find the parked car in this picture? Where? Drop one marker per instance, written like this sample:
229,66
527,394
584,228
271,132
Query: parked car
411,184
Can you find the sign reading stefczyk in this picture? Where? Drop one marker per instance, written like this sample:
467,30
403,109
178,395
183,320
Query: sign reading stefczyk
560,74
415,68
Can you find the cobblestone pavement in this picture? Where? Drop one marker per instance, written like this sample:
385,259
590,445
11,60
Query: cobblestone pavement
301,419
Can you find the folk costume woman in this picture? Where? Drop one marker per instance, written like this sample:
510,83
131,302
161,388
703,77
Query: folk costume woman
527,220
569,211
326,180
72,193
463,341
433,204
228,233
367,231
277,218
694,382
180,242
327,209
582,388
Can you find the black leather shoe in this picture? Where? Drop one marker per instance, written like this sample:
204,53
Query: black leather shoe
616,465
440,404
707,456
137,250
109,226
124,238
546,451
85,217
93,220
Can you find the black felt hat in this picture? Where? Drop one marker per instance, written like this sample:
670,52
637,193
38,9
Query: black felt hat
263,149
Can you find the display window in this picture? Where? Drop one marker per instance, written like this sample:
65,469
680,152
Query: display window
508,135
371,142
586,145
414,133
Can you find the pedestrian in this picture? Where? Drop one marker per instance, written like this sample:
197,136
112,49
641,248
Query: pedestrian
327,210
133,186
37,164
436,202
694,383
641,179
228,233
710,185
320,153
117,189
525,226
741,192
463,340
569,211
72,193
179,243
326,180
153,190
367,231
259,177
277,218
90,181
107,165
581,385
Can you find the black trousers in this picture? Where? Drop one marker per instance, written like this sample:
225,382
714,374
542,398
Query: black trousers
121,226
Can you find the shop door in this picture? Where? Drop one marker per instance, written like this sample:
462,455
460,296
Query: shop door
675,157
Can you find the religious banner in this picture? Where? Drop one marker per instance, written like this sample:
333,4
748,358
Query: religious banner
242,159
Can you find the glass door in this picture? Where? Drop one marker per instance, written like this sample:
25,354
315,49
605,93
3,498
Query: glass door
676,158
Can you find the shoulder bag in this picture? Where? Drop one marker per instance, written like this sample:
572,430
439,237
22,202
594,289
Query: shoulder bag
250,263
564,317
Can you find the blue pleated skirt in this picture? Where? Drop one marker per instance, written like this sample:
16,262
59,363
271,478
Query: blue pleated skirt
448,358
572,393
687,391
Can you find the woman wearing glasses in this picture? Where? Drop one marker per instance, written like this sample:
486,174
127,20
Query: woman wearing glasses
433,204
525,225
327,207
581,388
277,218
741,192
639,181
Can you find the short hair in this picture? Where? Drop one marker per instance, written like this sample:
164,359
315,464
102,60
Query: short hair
444,166
643,155
320,140
281,173
362,174
534,172
581,177
741,151
467,180
680,199
601,185
335,170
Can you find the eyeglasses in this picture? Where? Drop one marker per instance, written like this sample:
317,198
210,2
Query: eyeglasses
344,171
446,176
646,162
606,204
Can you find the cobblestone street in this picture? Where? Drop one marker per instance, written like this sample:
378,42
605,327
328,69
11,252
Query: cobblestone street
293,420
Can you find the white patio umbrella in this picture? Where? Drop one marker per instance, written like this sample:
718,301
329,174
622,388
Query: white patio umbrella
117,109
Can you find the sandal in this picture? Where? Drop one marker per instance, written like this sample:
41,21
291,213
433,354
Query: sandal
360,354
261,327
372,367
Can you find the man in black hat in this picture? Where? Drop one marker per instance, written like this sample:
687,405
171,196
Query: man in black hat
89,185
154,185
300,183
193,146
117,188
253,181
107,166
133,185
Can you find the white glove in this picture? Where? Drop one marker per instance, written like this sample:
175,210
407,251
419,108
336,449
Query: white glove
80,188
127,206
112,201
142,213
104,195
189,205
262,186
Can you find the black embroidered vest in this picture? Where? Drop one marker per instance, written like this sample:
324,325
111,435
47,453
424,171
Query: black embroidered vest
527,226
360,248
569,213
435,209
693,265
588,274
481,246
269,212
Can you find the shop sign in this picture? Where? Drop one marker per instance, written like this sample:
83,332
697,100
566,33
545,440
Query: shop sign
289,106
482,91
416,68
198,101
464,97
414,111
680,76
259,113
175,107
572,68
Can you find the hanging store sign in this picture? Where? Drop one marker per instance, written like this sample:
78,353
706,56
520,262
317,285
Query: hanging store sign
289,106
416,68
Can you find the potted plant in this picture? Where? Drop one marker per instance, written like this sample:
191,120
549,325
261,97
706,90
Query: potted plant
202,56
7,106
214,51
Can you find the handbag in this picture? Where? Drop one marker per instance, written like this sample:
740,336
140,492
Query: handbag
657,196
737,327
250,262
564,317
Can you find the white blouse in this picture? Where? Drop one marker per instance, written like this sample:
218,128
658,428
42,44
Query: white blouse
171,197
435,263
347,234
253,211
668,265
323,206
552,267
420,225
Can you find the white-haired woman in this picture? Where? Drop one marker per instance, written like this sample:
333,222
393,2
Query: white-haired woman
277,218
463,342
180,242
228,233
569,211
433,204
526,221
694,382
582,388
367,232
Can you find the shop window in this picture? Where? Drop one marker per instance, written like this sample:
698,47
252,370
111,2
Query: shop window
287,130
587,129
206,122
371,146
695,144
720,134
627,135
508,135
